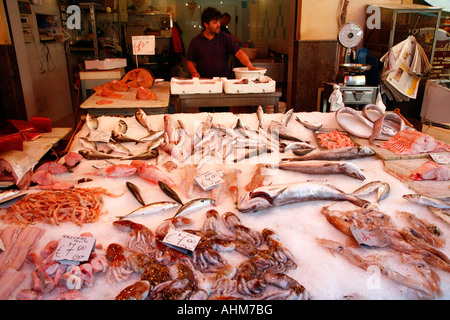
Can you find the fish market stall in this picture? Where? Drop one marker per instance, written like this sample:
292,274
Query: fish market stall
272,213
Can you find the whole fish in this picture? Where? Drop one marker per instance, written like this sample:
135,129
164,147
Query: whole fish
338,154
169,192
321,167
309,125
265,197
253,152
146,155
287,117
151,208
241,128
426,201
281,135
136,192
155,143
91,122
96,155
382,189
86,143
120,137
260,115
192,205
10,194
118,147
142,118
169,128
121,126
295,146
152,136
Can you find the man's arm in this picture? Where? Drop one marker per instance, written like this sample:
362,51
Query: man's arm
192,70
243,58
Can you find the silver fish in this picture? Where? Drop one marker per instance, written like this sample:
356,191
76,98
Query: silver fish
152,136
116,136
339,154
146,155
95,155
91,122
260,115
151,208
382,189
322,167
426,201
121,127
10,194
142,118
192,205
278,195
253,152
295,146
86,143
118,147
239,126
155,143
287,117
309,125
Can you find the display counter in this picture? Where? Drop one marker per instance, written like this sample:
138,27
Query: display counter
128,104
313,271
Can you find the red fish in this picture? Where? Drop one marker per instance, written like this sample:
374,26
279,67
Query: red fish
151,173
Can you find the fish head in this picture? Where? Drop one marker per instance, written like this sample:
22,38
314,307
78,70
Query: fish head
352,170
366,151
249,204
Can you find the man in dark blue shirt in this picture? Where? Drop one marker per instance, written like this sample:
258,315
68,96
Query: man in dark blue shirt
209,51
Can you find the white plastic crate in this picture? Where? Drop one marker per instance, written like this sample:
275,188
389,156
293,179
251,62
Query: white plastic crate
195,85
233,86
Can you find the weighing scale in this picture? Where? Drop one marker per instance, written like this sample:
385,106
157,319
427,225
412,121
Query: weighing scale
349,36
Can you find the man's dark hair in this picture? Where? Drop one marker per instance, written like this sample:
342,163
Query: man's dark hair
209,14
226,14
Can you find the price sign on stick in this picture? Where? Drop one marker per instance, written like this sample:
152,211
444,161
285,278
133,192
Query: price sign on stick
74,249
143,45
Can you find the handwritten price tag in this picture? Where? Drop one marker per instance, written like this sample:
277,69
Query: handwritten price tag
370,238
441,157
74,249
100,136
181,240
208,179
143,45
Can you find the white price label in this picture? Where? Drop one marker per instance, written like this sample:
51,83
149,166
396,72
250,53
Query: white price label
441,157
370,238
100,136
208,179
143,45
74,249
181,240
